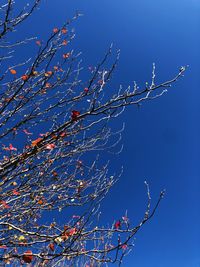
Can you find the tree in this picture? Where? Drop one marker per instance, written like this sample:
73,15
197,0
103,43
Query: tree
44,173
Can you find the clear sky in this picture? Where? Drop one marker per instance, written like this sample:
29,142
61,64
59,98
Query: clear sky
161,139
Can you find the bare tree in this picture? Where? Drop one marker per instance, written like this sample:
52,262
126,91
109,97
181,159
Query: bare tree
45,173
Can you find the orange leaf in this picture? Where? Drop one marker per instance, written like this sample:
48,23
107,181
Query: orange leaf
12,71
40,202
35,142
24,77
69,233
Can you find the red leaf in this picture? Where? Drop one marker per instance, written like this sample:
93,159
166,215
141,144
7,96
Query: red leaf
86,90
69,233
117,225
75,114
28,256
72,231
15,192
124,246
52,247
63,134
54,173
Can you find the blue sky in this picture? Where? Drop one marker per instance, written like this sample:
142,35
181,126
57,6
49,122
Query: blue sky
161,139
